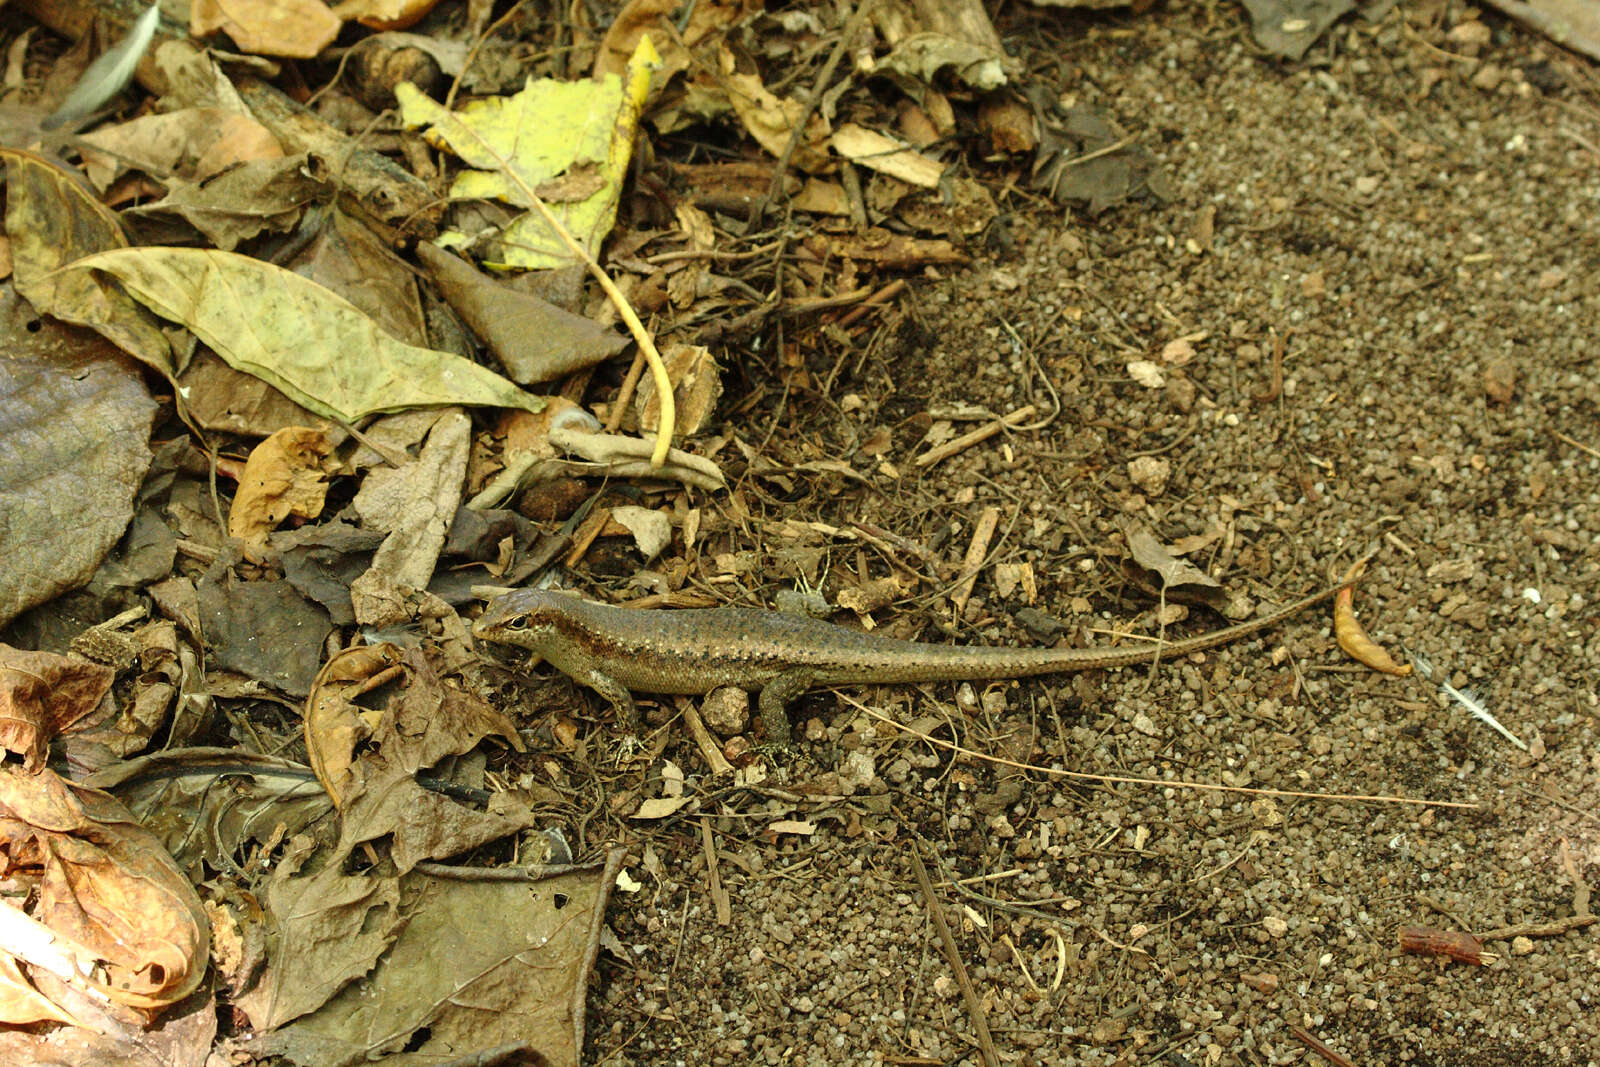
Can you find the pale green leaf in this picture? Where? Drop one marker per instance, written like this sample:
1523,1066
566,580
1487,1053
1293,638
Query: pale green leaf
307,341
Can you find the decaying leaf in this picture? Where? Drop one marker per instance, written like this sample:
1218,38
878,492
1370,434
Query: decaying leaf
334,723
75,421
53,219
166,671
326,929
771,119
384,14
928,38
103,882
221,398
1081,158
651,529
1175,574
194,143
696,387
423,723
263,629
877,152
256,196
414,505
515,975
345,254
42,694
211,806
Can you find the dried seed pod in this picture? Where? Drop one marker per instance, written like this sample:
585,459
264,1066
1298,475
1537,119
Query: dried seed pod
1353,639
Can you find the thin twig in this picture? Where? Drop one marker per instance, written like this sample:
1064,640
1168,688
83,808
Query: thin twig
1579,445
978,436
952,955
1310,1041
1114,779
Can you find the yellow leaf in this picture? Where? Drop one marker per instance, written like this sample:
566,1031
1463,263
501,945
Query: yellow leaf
582,131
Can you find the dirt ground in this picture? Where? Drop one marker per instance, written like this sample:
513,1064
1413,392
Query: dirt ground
1425,237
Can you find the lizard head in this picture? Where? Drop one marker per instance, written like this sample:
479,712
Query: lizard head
526,618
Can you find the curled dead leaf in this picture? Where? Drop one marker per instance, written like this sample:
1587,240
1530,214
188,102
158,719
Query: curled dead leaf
285,475
334,723
103,882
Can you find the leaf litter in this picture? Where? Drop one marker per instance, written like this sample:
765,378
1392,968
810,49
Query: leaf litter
328,312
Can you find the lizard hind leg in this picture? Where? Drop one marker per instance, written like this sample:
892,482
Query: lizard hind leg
774,701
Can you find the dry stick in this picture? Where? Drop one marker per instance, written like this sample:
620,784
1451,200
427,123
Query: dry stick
793,308
585,535
1553,928
630,382
1310,1041
719,895
1114,779
871,303
952,954
967,440
658,369
977,550
703,741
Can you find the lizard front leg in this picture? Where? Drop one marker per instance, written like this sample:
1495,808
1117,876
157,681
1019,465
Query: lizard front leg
774,702
617,693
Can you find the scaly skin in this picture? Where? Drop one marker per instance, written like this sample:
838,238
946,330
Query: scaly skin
619,650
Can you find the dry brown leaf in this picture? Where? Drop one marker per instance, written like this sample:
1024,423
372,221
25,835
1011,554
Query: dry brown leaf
41,695
414,504
771,120
877,152
221,398
519,960
254,197
324,930
21,1003
423,722
1151,554
287,474
54,219
1353,638
297,29
194,143
385,14
696,386
334,723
